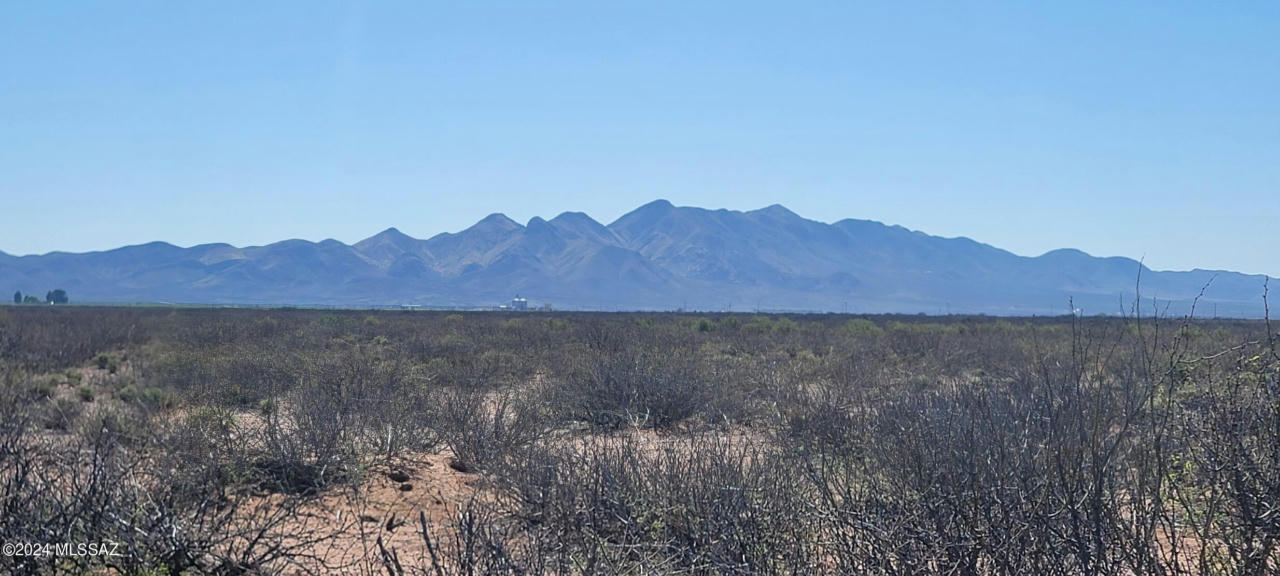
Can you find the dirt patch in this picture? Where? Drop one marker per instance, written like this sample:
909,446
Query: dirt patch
387,505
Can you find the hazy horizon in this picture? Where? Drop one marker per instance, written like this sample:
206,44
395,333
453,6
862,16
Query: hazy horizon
1143,130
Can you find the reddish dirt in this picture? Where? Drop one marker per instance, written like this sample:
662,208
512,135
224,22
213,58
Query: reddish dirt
384,509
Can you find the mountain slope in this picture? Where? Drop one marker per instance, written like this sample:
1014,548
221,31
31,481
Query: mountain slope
657,256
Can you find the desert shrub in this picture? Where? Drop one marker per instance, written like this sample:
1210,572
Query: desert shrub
1234,453
484,430
310,442
59,414
44,339
879,445
42,388
629,389
700,504
397,410
823,418
236,375
862,329
149,398
156,398
128,393
346,408
120,425
206,454
183,511
108,362
761,324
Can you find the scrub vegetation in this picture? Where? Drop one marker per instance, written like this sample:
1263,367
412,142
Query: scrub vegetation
232,441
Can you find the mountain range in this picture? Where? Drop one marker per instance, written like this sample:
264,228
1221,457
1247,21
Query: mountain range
658,256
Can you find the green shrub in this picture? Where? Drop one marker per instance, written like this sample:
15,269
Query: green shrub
59,414
127,394
862,328
42,388
149,397
107,362
157,398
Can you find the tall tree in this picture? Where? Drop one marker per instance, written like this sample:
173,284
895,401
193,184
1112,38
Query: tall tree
17,297
58,296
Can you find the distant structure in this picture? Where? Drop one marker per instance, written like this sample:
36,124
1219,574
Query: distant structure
519,303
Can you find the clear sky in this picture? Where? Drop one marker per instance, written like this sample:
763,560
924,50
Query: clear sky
1144,129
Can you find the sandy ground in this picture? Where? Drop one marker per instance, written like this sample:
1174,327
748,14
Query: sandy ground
387,506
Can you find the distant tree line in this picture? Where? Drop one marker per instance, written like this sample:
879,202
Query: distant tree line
56,296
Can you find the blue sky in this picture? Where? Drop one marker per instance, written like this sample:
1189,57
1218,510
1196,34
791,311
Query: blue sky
1144,129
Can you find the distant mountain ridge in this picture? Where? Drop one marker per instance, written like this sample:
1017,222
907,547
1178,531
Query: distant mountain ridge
658,256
